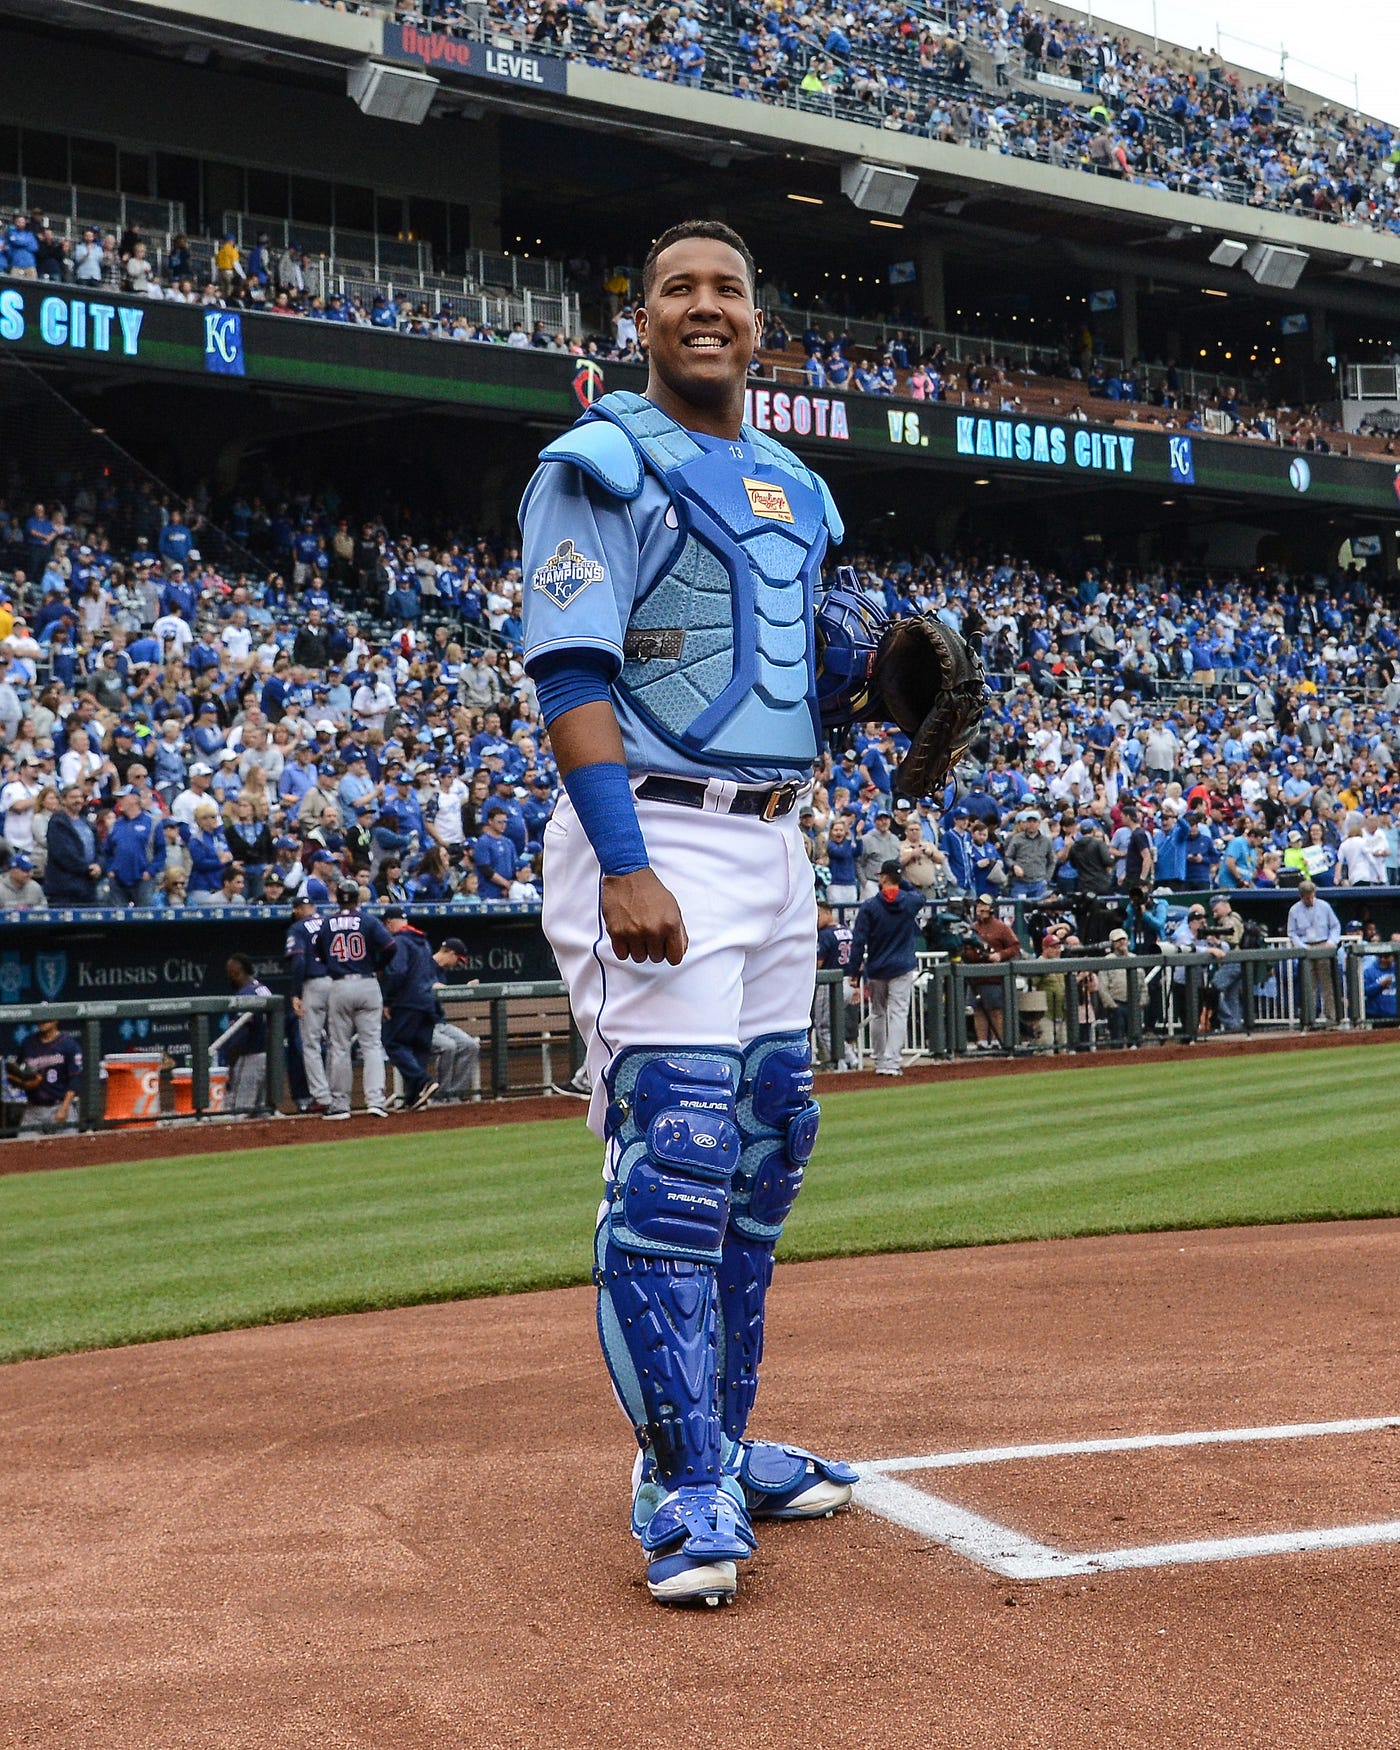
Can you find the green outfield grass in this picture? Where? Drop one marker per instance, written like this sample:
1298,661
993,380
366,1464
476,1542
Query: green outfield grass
98,1256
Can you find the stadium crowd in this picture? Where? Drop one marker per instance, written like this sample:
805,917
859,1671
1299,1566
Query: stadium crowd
1161,117
179,730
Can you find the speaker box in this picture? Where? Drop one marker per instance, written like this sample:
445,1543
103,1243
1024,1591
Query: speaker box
874,189
392,94
1269,264
1228,253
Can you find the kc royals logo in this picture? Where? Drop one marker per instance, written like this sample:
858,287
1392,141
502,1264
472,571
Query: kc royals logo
223,343
566,574
768,501
51,973
1182,461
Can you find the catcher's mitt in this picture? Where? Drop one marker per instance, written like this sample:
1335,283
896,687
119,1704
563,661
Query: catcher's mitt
931,683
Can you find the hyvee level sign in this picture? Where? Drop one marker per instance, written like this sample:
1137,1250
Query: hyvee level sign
442,53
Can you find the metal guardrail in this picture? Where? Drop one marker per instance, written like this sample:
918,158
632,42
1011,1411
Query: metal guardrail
942,998
67,206
199,1010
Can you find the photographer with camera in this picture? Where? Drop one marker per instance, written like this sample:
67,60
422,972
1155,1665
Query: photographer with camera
996,942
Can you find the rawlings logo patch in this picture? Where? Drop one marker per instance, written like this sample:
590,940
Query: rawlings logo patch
566,574
768,501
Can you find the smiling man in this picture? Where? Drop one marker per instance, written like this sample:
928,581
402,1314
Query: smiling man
672,556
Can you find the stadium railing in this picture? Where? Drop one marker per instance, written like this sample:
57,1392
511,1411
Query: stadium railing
1279,993
138,1088
69,207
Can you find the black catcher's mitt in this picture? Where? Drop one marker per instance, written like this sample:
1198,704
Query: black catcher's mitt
931,683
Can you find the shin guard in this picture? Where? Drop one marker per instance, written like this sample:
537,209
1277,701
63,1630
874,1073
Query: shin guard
777,1119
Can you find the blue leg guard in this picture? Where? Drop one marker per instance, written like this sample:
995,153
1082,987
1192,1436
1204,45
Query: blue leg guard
671,1123
778,1120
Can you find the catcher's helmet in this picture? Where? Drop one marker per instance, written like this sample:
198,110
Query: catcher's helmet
348,891
848,627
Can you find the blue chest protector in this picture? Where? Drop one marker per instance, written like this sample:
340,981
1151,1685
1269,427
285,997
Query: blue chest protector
718,654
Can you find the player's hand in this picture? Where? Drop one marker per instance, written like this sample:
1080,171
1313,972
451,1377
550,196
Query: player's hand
642,918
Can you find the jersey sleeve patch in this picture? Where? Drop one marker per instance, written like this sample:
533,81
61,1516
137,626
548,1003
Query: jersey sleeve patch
565,574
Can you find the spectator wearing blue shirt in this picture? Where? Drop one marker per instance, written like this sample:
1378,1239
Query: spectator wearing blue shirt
298,777
175,540
1241,858
133,853
494,854
208,849
22,247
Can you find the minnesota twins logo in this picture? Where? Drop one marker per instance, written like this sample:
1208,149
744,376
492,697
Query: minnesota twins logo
566,574
588,382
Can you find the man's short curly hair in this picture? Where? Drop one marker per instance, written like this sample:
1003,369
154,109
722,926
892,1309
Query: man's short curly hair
711,228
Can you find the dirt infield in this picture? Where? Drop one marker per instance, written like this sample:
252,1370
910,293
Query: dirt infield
211,1136
406,1529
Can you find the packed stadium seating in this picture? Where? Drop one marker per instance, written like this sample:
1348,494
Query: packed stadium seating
196,677
980,77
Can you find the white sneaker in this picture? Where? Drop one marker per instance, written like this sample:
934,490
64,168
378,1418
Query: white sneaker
334,1117
373,1112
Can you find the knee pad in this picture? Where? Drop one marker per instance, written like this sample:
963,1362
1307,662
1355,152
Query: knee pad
671,1121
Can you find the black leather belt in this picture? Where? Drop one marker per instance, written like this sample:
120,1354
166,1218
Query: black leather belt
770,804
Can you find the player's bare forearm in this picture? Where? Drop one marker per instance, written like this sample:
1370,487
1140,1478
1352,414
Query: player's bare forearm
640,913
585,736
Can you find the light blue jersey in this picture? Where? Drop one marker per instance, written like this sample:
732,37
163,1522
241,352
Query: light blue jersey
692,562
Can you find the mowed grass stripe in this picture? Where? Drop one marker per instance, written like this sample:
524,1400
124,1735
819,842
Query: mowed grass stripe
103,1255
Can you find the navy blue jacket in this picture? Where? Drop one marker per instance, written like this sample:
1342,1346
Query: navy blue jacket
884,940
408,980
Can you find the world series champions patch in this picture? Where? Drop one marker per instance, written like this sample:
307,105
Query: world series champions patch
566,574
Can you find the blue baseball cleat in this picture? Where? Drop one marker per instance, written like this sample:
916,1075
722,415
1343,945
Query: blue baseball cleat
692,1538
788,1482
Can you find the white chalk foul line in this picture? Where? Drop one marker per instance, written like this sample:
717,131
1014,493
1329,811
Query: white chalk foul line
1128,1443
1007,1552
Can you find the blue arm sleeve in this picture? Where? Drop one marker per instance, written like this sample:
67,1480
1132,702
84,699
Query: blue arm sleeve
566,679
600,793
602,799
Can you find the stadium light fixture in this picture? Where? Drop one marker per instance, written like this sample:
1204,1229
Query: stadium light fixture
1228,252
888,224
1211,292
808,200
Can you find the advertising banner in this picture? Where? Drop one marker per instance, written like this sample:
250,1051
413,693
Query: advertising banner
59,325
438,52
